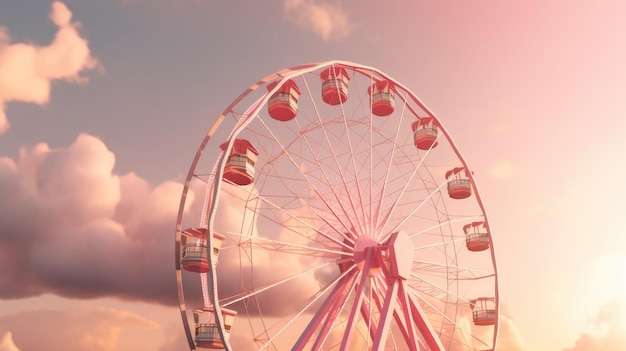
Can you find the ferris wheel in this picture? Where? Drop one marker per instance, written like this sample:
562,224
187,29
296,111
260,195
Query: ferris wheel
329,209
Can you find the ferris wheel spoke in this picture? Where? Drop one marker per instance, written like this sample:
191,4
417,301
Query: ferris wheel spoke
389,213
383,189
437,287
355,172
344,233
232,300
337,163
334,193
417,208
306,178
444,269
339,168
440,243
320,216
298,219
444,223
258,242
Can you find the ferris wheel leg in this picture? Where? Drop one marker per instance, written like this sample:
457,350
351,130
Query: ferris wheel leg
358,300
424,327
329,310
385,316
401,320
402,317
409,333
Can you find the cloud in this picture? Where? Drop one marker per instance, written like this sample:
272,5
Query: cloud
27,70
324,19
7,344
94,329
175,340
608,330
509,338
71,227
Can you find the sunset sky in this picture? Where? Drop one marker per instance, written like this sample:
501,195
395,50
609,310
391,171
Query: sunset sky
104,103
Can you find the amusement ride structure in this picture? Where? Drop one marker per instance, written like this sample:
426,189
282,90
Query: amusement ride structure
328,208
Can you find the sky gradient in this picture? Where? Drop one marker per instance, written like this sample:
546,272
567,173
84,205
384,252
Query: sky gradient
103,105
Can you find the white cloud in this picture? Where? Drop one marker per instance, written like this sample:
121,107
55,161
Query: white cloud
27,70
609,330
7,344
70,226
509,338
324,19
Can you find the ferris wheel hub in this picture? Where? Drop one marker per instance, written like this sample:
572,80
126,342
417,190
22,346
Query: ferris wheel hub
395,254
362,244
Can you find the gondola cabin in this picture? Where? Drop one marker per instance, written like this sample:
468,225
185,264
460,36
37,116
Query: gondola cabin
334,85
195,255
195,258
381,95
239,168
283,104
459,184
483,310
425,133
207,332
476,236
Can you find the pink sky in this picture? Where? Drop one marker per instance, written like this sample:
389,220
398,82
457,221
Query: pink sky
103,104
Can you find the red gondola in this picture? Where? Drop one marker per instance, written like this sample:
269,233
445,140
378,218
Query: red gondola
283,104
334,85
